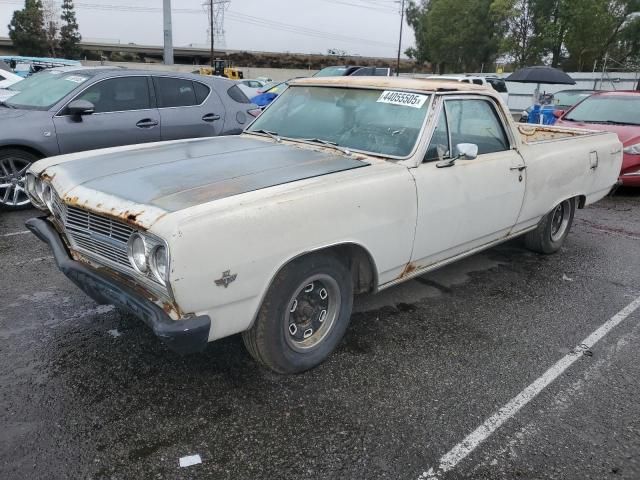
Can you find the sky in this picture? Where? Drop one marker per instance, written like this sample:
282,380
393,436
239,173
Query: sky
359,27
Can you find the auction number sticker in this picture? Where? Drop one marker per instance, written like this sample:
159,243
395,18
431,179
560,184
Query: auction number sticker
75,79
404,99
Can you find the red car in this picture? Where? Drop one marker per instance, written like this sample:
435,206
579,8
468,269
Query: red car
617,112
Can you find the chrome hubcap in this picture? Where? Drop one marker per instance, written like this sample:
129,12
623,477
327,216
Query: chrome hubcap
12,181
312,312
560,220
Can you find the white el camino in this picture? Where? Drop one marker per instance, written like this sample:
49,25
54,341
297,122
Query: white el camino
342,186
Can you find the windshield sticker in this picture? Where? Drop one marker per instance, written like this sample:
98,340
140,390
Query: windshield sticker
75,79
404,99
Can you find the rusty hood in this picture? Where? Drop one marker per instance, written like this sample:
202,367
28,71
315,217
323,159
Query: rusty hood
142,183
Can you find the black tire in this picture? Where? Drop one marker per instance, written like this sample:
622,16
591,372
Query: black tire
13,163
272,341
553,229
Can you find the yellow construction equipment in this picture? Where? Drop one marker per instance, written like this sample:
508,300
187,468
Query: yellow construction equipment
222,68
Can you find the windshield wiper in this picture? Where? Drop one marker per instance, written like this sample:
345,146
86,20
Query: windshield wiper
271,134
327,143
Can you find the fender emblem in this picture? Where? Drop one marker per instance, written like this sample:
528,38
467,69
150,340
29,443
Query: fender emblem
226,279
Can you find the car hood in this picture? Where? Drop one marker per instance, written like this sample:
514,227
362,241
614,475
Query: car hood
7,113
142,183
628,134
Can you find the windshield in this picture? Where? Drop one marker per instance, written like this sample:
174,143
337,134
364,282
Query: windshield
43,90
387,123
623,109
331,72
570,98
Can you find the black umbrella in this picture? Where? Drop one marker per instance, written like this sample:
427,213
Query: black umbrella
540,75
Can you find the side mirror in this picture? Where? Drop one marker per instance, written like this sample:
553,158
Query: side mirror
81,107
558,113
464,151
467,151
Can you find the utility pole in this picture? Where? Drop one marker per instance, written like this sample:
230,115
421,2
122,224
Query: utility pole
400,39
211,29
168,33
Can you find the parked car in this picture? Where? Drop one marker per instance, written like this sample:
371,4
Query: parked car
265,97
562,100
27,66
360,71
339,188
264,80
498,84
251,87
617,112
8,78
76,109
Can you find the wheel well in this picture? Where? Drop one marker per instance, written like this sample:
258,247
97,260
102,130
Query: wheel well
32,151
358,260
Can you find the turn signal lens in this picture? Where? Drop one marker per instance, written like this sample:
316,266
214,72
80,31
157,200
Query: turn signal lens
632,149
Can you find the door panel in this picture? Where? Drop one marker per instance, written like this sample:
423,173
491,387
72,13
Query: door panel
473,202
188,109
123,116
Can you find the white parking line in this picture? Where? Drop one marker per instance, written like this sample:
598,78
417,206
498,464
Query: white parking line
22,232
480,434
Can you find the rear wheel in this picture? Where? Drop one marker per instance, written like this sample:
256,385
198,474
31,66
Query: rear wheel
552,231
304,315
14,164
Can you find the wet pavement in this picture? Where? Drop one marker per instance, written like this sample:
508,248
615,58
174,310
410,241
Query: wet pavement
89,393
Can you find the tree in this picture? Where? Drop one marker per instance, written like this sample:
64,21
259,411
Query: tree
51,17
454,34
27,31
69,34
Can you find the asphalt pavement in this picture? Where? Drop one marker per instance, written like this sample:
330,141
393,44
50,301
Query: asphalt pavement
87,393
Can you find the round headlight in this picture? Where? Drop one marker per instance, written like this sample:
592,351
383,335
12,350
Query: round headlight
31,183
39,187
47,196
138,253
159,263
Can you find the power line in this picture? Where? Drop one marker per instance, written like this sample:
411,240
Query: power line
234,16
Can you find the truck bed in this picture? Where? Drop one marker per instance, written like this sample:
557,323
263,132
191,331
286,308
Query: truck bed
544,133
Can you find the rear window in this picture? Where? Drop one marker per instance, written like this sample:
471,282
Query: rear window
236,94
498,84
175,92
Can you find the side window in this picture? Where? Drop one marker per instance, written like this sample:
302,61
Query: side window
174,92
1,77
202,92
476,121
477,81
118,94
439,146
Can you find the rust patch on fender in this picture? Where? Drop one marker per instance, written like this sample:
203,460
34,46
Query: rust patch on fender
408,270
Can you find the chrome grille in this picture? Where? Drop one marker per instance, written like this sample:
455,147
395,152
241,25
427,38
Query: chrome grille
94,234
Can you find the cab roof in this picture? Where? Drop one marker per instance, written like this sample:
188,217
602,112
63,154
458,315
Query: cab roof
395,83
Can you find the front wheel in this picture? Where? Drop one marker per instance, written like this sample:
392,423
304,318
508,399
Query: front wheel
14,164
553,229
304,315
